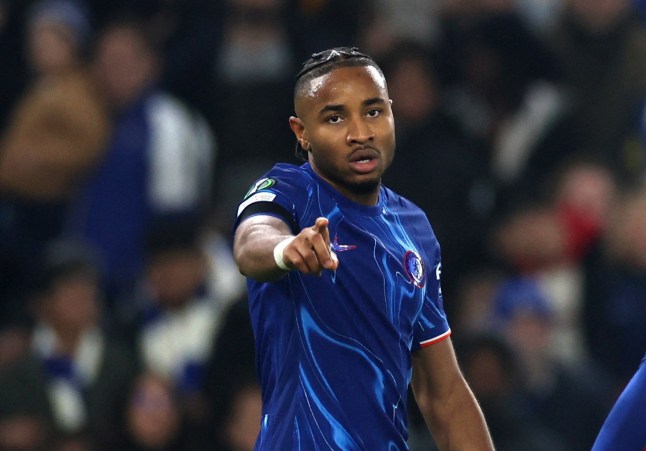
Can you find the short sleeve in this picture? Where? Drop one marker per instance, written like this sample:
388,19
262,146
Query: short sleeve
432,325
280,192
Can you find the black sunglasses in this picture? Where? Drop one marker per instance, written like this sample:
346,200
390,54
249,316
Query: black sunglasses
336,54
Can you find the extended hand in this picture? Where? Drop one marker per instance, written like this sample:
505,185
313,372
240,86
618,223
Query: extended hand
309,252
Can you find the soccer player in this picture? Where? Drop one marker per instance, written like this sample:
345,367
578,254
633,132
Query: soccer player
344,281
625,427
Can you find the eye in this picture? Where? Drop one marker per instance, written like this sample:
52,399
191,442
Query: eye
334,119
373,113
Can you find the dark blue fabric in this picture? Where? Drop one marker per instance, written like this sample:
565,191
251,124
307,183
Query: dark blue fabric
113,211
625,427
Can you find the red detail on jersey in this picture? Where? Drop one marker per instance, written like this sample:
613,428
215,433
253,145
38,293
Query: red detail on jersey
437,339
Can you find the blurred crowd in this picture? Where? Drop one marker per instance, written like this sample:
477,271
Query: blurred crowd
130,130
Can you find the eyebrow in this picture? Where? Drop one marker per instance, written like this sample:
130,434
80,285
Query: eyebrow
340,107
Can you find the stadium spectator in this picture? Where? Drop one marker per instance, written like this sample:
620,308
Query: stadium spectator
54,137
70,386
571,401
601,51
492,368
154,419
231,383
616,288
175,317
253,67
322,24
159,158
503,89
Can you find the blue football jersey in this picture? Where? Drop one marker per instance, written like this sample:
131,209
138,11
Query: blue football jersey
334,352
625,426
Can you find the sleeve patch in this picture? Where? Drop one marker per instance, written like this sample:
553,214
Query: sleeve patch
258,197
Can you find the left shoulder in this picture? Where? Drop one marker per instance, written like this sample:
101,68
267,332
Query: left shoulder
411,216
397,201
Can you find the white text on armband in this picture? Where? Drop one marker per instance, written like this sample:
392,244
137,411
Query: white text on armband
258,197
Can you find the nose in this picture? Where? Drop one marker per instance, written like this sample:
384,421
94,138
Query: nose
359,131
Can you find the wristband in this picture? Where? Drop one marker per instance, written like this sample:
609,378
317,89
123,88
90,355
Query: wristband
278,253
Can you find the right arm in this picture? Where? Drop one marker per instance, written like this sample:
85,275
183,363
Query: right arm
308,252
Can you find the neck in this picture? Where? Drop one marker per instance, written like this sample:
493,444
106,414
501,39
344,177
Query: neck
365,194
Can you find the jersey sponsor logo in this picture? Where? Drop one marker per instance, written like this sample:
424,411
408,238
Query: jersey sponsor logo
260,185
258,197
336,247
415,269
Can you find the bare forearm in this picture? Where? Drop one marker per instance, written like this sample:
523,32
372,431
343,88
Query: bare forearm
456,421
308,252
253,252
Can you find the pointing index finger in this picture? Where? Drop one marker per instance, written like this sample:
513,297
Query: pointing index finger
321,227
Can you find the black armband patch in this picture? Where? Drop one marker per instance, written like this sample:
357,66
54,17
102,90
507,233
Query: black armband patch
271,209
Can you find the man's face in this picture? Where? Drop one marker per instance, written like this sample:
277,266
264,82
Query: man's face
346,124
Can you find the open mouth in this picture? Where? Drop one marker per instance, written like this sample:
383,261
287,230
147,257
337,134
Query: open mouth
364,160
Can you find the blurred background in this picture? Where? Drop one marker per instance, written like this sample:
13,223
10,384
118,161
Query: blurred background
130,130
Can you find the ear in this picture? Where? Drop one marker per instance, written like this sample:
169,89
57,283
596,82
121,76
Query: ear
297,126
